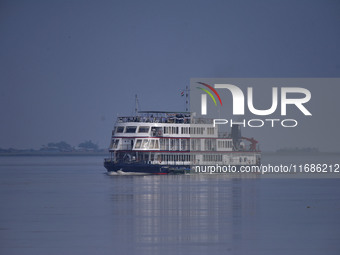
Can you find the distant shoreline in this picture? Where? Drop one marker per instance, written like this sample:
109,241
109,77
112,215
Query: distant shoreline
104,153
44,153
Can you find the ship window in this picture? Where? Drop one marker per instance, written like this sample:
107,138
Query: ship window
115,143
152,144
120,130
211,130
174,130
223,144
145,143
131,129
212,158
156,144
143,129
166,130
138,143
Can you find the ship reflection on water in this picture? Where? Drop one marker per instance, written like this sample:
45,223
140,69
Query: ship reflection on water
184,214
67,205
214,214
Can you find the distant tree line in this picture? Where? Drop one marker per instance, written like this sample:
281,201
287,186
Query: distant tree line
86,146
61,146
65,147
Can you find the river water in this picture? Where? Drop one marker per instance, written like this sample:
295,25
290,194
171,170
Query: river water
69,205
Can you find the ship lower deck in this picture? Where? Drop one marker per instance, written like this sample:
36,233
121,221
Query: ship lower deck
161,169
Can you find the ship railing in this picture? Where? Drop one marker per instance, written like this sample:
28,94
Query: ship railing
154,120
168,120
202,121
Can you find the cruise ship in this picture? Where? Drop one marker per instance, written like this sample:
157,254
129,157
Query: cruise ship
159,142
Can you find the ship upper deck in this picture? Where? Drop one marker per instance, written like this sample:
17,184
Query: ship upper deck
164,117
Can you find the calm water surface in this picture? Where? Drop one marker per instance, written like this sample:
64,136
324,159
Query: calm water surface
68,205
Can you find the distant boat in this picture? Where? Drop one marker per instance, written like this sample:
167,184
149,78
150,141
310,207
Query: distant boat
158,142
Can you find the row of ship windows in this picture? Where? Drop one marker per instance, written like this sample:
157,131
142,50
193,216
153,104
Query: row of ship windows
176,157
187,157
132,129
192,157
167,130
140,144
168,157
188,130
174,144
216,157
147,144
212,157
225,144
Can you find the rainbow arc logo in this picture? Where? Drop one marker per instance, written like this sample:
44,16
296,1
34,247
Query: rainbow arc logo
209,93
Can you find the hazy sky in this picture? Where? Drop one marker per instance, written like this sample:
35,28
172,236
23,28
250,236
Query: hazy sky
320,129
67,68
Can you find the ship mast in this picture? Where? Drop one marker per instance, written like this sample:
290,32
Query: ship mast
136,105
187,98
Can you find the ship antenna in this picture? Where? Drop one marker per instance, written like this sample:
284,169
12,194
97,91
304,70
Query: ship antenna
187,98
136,105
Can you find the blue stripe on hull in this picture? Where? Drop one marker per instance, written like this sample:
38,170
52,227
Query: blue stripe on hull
142,168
